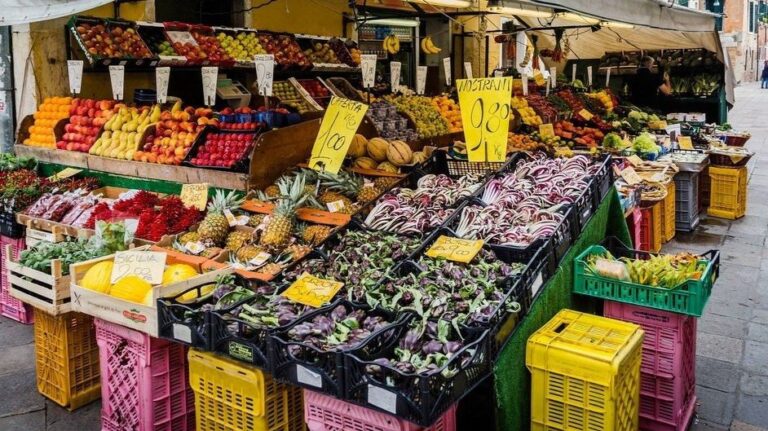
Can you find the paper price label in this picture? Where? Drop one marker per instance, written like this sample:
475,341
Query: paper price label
447,70
553,77
117,79
340,122
635,161
538,78
585,114
382,398
148,265
64,173
421,79
335,206
368,68
468,69
260,259
630,176
195,247
573,72
455,249
210,76
308,377
195,195
608,77
75,73
312,291
394,75
231,219
589,76
685,143
549,84
162,77
525,84
546,130
265,72
182,37
182,333
485,112
498,73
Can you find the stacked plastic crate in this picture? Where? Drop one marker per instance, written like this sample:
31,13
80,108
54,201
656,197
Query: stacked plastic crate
728,192
9,306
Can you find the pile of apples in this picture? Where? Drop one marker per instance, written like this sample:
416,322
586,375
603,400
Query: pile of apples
210,46
175,132
123,131
86,116
113,42
223,149
285,49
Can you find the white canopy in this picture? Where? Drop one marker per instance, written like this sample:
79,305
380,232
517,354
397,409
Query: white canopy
14,12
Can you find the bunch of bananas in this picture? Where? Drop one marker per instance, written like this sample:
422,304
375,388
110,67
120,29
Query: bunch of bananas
391,44
428,47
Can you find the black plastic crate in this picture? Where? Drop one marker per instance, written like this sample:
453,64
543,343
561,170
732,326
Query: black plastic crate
242,165
8,225
686,201
603,179
321,370
418,398
184,323
586,205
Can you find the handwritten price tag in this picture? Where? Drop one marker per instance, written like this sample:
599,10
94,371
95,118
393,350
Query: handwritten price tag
64,173
553,76
585,114
455,249
635,161
210,76
685,143
339,125
573,72
75,73
468,69
538,78
265,72
162,76
394,75
525,84
546,130
195,195
368,67
630,176
312,291
589,76
117,79
447,70
148,265
608,77
421,79
485,112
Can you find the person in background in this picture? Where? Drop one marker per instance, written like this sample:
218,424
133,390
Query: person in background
764,76
647,85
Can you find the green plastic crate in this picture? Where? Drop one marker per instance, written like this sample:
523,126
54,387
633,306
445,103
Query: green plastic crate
687,298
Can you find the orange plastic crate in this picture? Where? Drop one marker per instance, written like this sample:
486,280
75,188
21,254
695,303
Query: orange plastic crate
667,212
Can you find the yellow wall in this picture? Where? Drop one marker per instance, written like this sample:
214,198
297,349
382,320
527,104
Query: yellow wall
320,17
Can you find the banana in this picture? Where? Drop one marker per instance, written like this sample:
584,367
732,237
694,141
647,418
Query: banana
431,46
424,48
395,44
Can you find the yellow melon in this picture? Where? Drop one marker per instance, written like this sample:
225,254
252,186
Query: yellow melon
98,277
377,149
388,167
131,288
365,163
358,146
399,153
178,272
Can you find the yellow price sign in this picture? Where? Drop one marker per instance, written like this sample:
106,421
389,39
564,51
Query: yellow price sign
485,113
539,78
339,125
312,291
195,195
64,173
546,130
585,114
685,143
455,249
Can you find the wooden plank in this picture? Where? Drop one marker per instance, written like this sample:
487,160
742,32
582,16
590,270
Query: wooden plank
75,159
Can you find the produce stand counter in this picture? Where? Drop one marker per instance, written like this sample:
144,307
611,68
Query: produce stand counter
512,379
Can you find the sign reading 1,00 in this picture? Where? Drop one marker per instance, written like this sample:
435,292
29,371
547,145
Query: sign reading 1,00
485,112
339,125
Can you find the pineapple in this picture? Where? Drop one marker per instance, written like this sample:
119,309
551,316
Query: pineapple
279,225
247,252
315,234
237,239
296,251
330,196
271,269
272,191
189,237
383,184
210,252
350,185
256,219
215,226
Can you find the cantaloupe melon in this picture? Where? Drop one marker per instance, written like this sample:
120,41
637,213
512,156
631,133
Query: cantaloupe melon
358,147
388,167
365,163
399,153
377,149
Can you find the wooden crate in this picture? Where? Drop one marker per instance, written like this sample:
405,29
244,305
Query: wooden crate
48,292
34,235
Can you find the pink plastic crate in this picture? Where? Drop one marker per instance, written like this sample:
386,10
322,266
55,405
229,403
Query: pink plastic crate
633,223
667,372
144,382
9,306
324,413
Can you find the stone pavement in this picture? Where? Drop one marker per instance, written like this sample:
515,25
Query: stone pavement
732,351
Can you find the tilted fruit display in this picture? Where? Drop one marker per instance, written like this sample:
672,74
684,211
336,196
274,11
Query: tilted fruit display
527,114
123,132
450,111
175,132
429,122
389,123
542,107
209,44
242,46
115,40
320,52
48,114
223,149
587,136
85,121
289,96
605,98
285,49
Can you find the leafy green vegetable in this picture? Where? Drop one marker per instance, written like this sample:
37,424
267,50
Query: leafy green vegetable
612,140
645,144
40,255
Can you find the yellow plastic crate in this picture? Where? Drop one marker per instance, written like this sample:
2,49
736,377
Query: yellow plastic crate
585,373
233,396
667,211
728,192
67,359
656,229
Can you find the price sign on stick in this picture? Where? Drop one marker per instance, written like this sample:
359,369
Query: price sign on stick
447,70
573,73
340,122
75,73
525,84
607,77
394,75
421,79
468,69
162,76
538,78
589,76
485,112
312,291
195,195
368,67
553,77
546,130
455,249
64,173
210,76
117,79
265,72
685,143
148,265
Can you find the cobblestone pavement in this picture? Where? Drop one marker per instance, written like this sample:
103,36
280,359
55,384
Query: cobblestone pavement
732,351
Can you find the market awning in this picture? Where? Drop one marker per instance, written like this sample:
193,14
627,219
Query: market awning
14,12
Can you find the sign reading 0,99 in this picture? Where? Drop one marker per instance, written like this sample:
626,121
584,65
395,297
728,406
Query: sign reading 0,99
339,125
485,113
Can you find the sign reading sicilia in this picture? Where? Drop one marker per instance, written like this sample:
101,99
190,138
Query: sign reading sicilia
485,113
339,125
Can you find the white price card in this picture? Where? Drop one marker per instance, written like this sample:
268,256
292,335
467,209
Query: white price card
468,69
210,76
498,73
589,76
368,67
182,37
573,72
525,83
394,75
447,70
162,76
148,265
75,72
608,77
549,84
421,79
553,77
265,72
117,78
